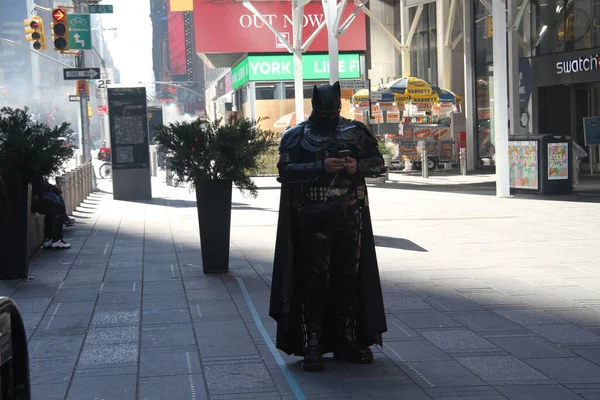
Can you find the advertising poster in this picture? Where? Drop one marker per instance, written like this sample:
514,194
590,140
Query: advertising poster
523,157
407,132
359,117
446,152
558,161
393,117
409,150
591,129
432,148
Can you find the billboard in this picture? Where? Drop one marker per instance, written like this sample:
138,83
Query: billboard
229,27
177,56
15,62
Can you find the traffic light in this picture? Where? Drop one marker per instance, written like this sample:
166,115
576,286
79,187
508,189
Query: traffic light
60,29
34,32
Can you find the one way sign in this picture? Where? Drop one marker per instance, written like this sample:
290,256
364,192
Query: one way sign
72,74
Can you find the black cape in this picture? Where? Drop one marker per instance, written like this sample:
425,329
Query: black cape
287,293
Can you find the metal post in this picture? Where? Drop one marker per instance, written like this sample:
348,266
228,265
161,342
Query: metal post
501,99
153,164
424,164
297,14
405,27
463,161
330,6
470,96
83,100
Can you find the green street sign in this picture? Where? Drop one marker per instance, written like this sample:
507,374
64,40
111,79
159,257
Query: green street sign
80,36
100,8
281,68
239,74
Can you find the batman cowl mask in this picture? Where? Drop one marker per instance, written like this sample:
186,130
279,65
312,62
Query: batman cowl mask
326,105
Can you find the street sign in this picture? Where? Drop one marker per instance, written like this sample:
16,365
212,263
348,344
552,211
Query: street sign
82,88
73,98
80,37
106,78
100,8
73,74
355,84
102,109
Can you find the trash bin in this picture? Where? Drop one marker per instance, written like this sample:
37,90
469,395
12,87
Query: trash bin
541,163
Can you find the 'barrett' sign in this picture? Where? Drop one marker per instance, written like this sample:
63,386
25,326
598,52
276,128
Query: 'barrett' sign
229,27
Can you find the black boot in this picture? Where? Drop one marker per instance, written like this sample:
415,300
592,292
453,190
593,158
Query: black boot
313,329
349,348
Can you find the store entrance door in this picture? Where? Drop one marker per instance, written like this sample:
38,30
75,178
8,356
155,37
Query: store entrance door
585,103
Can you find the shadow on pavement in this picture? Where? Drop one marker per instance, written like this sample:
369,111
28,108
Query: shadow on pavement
398,243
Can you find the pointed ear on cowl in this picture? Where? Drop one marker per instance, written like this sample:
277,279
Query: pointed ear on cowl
315,92
337,87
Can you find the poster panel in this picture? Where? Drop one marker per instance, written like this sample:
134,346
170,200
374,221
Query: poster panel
558,161
523,157
409,150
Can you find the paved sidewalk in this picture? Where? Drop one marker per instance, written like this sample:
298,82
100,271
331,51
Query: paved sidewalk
487,299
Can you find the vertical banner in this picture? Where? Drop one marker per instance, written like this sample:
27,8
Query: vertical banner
128,127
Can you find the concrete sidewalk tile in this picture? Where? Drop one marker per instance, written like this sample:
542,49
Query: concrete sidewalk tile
123,299
173,287
75,294
116,317
50,391
237,376
586,317
111,354
548,301
103,387
169,361
486,322
67,325
427,319
417,350
190,386
55,347
565,333
546,392
202,310
529,346
167,335
503,370
529,316
441,373
405,303
112,335
153,302
452,302
121,287
567,370
56,370
34,290
197,295
163,317
457,340
69,308
411,392
84,278
34,305
118,275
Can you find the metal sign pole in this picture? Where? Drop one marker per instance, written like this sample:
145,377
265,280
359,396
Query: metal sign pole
297,14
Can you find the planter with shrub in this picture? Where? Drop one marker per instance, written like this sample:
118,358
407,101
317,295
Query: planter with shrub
211,156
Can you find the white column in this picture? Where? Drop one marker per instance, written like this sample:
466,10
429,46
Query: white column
405,28
500,115
444,53
297,13
513,69
332,28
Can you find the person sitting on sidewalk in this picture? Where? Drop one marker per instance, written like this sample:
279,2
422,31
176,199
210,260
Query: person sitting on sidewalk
67,221
46,201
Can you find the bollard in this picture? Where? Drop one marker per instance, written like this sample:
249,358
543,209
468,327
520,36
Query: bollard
169,173
66,192
79,186
79,159
463,161
153,163
90,175
424,164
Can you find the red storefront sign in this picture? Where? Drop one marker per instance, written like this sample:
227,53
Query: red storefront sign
103,109
226,26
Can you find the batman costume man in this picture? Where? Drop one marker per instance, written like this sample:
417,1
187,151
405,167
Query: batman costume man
326,293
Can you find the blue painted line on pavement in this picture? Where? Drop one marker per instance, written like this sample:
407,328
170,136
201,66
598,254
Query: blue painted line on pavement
282,365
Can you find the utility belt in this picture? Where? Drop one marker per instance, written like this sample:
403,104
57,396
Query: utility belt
323,193
320,209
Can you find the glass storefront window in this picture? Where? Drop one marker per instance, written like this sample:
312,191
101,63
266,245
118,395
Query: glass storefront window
484,81
566,25
423,49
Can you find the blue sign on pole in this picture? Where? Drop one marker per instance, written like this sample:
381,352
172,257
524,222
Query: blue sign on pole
591,130
15,62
